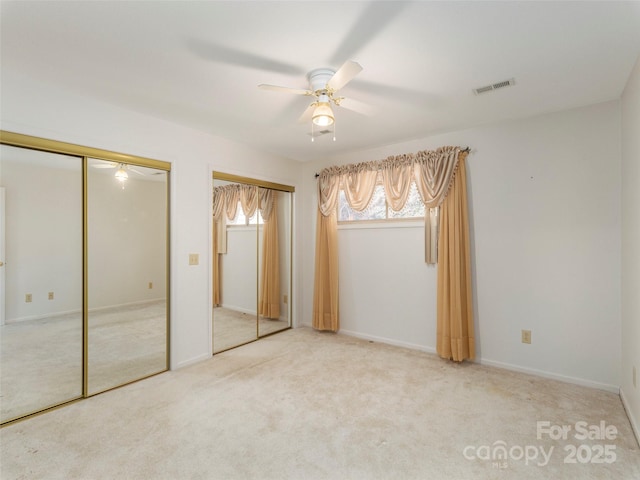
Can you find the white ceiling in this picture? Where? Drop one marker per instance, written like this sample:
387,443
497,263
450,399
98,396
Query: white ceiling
199,63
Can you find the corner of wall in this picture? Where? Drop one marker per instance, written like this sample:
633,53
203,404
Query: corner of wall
630,248
632,419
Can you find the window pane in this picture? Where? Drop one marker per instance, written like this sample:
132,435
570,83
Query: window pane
241,219
413,208
376,210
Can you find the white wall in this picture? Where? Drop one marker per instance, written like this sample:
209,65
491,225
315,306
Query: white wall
127,232
284,242
544,198
631,247
239,270
32,108
43,194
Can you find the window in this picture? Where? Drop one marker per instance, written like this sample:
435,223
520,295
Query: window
241,219
379,209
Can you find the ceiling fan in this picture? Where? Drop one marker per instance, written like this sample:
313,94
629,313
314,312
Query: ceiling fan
324,84
122,169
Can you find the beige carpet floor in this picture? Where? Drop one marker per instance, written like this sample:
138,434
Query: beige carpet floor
232,328
308,405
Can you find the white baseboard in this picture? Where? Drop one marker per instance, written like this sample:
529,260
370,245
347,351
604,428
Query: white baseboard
388,341
483,361
553,376
632,419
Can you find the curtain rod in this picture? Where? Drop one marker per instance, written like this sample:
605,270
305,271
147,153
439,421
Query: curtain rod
465,149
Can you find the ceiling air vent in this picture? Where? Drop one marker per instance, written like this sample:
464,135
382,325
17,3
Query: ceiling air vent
495,86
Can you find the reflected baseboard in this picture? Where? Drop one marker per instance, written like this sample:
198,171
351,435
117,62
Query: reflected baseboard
10,321
138,303
237,309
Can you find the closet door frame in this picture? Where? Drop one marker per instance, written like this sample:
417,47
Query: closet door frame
233,178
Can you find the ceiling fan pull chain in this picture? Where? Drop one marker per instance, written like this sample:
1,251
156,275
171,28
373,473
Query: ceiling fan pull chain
334,131
312,139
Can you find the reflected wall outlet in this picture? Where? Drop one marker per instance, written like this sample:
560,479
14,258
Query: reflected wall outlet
285,299
526,336
150,285
193,259
50,296
28,298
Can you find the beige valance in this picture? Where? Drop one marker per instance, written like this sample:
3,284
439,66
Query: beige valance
225,207
250,197
431,170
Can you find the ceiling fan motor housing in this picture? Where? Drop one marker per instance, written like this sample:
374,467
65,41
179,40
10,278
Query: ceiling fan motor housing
319,78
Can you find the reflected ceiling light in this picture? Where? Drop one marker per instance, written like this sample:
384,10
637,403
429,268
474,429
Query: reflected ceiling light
121,173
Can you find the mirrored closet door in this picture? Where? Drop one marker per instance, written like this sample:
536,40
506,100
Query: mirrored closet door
84,272
126,273
41,294
251,259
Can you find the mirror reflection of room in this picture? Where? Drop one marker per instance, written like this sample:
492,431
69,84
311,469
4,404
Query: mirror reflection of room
251,243
83,276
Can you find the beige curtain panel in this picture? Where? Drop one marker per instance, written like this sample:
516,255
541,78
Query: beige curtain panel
216,266
325,291
269,293
434,173
455,333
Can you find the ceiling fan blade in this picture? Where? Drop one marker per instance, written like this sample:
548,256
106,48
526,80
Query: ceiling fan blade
233,56
344,75
306,115
401,94
373,20
134,170
295,91
357,106
104,164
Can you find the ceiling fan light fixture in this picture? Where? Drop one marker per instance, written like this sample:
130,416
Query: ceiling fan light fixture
121,174
323,115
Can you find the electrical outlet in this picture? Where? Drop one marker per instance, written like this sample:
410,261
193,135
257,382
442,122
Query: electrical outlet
634,377
194,259
526,336
50,296
28,298
285,299
150,285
